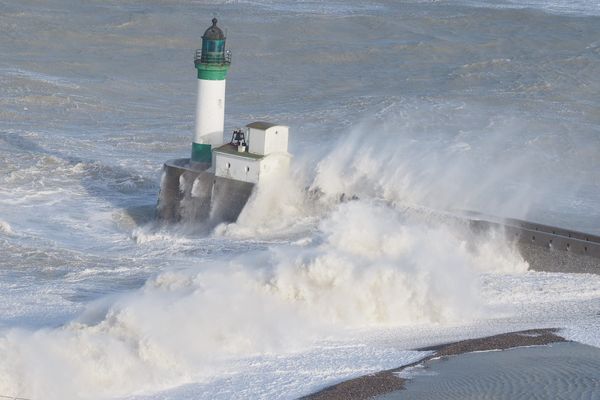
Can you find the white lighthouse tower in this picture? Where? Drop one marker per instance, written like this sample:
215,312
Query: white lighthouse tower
212,63
215,183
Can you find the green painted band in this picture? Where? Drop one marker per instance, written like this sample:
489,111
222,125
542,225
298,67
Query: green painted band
201,153
212,72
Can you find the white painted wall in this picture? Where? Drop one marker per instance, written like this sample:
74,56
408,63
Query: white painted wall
256,141
276,139
210,112
271,140
274,165
240,168
248,169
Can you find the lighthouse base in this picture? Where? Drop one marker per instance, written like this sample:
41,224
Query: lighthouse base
191,193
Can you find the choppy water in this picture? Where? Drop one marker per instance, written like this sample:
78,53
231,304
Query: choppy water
489,106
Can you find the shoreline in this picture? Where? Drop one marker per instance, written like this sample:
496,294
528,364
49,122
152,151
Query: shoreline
386,381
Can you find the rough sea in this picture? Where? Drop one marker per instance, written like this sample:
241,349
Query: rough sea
411,106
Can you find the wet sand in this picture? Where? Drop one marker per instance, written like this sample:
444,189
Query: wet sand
568,370
369,386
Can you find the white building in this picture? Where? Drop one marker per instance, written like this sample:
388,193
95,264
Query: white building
263,152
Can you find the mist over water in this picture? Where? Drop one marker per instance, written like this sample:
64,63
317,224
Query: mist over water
390,159
408,110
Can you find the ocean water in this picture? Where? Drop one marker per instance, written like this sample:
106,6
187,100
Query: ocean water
412,106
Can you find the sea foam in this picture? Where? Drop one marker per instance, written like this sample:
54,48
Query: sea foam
389,272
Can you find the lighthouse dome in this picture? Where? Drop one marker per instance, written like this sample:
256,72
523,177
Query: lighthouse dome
214,32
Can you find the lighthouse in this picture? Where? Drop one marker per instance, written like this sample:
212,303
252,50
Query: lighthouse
212,63
217,180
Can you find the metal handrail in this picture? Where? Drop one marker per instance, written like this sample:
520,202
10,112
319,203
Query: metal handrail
224,58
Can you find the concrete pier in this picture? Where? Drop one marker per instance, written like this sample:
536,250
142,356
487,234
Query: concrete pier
190,194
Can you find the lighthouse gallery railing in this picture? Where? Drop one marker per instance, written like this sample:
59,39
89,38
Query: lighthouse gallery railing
220,58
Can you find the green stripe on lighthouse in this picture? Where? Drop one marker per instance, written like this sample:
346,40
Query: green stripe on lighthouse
212,72
201,153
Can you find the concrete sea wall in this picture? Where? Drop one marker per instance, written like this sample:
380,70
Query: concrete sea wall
194,195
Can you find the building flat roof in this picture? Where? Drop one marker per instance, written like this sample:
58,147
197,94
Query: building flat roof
262,125
232,150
